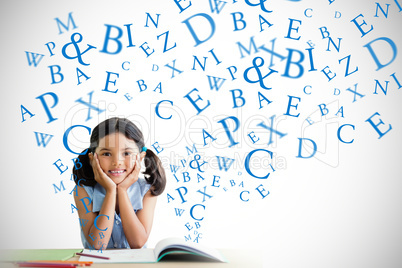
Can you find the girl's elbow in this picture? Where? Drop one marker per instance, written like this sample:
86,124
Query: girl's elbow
138,244
98,247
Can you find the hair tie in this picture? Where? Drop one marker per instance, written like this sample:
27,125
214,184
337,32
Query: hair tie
144,149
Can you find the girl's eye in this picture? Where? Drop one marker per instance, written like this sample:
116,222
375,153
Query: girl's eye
106,154
127,153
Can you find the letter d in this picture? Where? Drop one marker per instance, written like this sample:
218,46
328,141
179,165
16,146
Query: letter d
373,54
300,148
195,36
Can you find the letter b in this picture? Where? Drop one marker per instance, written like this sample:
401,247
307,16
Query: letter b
237,20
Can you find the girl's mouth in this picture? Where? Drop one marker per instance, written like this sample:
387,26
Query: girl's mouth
117,172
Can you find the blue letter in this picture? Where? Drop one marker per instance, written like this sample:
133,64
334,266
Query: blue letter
157,109
225,126
297,63
300,147
290,105
211,22
394,50
339,133
359,25
70,19
46,107
65,138
116,39
238,20
247,163
291,28
193,102
53,73
375,126
109,81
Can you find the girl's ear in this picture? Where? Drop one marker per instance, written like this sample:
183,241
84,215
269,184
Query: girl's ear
90,156
142,155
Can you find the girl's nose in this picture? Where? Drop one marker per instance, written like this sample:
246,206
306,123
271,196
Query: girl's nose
117,160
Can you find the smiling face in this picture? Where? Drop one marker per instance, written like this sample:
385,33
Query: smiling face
116,155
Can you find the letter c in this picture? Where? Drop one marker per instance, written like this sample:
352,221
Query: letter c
96,226
339,133
122,66
308,93
247,163
78,183
191,212
241,196
305,12
157,109
65,138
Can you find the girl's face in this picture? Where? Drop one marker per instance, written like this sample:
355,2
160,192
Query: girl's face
116,155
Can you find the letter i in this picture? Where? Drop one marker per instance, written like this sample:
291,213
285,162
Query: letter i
216,58
396,80
310,55
130,40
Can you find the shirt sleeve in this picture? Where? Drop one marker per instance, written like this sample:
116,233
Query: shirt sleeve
144,186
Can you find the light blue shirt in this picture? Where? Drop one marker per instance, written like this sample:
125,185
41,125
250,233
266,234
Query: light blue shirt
97,193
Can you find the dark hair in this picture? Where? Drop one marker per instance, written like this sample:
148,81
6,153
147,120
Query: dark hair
155,174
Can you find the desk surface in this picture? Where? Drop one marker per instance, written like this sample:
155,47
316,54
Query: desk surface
235,257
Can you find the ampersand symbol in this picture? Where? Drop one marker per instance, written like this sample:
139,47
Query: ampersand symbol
74,42
196,164
257,66
261,4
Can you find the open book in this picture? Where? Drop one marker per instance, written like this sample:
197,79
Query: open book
146,255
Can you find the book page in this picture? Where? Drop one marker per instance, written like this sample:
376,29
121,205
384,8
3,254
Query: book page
144,255
178,243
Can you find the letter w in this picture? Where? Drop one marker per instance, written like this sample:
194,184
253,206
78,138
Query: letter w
173,168
179,211
34,58
41,138
83,222
215,82
225,163
216,5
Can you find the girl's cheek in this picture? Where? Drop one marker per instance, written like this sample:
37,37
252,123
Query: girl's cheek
130,162
103,165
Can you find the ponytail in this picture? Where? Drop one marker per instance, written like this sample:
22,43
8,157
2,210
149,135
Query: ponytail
84,174
155,173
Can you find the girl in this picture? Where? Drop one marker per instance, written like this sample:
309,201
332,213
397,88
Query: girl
115,207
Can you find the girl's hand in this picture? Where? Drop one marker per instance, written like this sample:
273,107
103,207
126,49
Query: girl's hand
133,176
101,176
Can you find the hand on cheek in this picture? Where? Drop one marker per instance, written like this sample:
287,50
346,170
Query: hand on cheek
132,176
100,176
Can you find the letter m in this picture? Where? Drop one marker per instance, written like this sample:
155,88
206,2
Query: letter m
59,188
189,151
43,139
248,51
61,24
